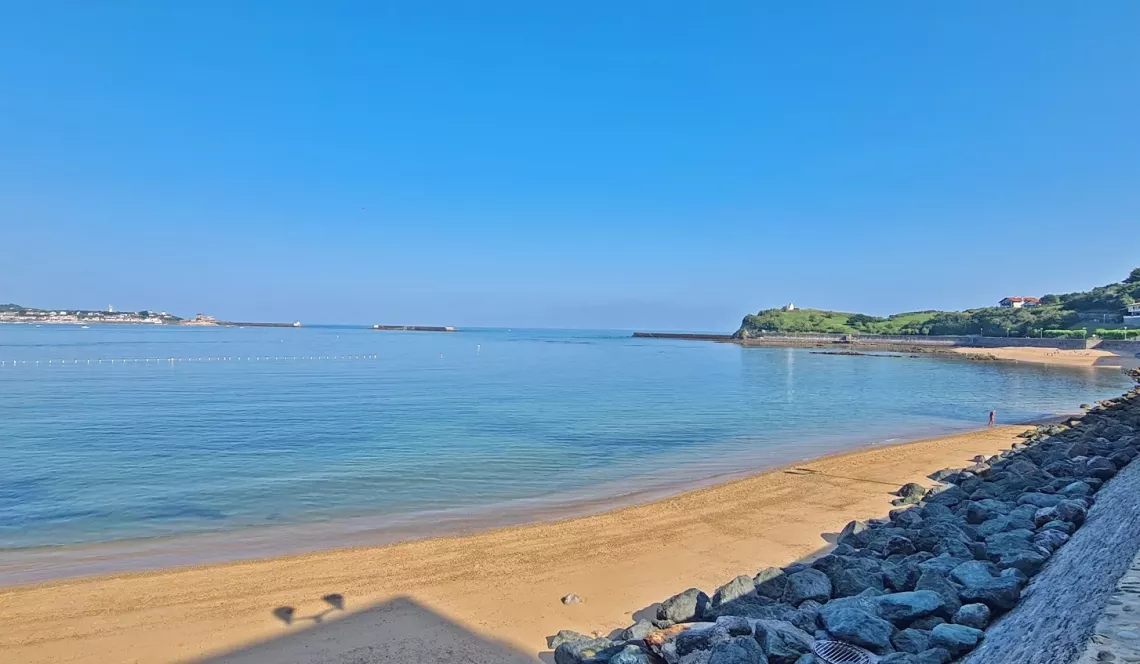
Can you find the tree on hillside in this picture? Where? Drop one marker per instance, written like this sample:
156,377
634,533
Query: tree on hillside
1133,277
1050,299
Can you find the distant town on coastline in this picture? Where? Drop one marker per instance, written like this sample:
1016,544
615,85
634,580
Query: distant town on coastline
15,313
1110,311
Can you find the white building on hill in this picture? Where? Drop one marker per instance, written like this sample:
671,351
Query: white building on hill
1018,302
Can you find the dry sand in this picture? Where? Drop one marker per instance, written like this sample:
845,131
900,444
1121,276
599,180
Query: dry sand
1068,358
481,599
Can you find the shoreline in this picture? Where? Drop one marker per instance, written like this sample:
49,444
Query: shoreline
48,563
494,594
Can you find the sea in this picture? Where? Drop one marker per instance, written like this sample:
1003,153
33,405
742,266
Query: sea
130,447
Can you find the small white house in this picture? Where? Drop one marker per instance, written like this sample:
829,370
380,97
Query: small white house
1018,302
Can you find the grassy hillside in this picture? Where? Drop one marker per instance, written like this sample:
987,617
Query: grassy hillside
1056,314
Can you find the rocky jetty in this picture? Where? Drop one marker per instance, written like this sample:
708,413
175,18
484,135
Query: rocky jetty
920,587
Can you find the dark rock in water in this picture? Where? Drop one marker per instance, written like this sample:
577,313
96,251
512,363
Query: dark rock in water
1050,539
565,636
684,607
861,628
973,615
1000,594
782,642
905,607
741,650
631,655
936,582
928,623
957,639
911,640
734,625
590,651
855,533
807,584
771,582
738,587
637,631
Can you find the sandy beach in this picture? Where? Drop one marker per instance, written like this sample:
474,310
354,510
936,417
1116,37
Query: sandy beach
1066,358
489,597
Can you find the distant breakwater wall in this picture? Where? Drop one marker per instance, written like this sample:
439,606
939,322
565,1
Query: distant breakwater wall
415,328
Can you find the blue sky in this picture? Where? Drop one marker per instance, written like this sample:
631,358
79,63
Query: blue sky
658,165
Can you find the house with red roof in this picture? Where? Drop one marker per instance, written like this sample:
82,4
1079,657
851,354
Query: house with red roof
1018,302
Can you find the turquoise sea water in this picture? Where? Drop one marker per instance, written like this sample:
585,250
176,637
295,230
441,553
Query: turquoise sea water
241,429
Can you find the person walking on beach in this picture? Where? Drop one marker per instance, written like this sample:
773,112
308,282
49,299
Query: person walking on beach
993,417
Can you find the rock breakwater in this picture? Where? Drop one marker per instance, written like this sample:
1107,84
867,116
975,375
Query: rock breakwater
919,587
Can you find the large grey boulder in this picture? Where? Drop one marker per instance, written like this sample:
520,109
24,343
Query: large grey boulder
957,639
684,607
936,582
637,631
782,642
590,651
911,640
1000,594
807,584
567,636
855,533
741,650
771,582
973,615
739,587
631,655
859,627
905,607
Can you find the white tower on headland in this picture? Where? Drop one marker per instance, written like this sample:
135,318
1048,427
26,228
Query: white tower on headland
110,308
789,307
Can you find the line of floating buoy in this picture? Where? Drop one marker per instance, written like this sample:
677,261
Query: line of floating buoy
174,360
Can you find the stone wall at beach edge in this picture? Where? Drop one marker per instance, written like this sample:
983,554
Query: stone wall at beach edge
920,587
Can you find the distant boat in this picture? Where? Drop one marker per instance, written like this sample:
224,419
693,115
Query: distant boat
85,327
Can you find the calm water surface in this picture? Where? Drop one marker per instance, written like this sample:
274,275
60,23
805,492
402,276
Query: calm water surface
394,426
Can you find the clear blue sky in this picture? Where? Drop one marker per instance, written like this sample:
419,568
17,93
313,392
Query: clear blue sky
659,165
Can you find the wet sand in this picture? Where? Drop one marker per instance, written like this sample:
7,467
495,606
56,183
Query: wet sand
485,598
